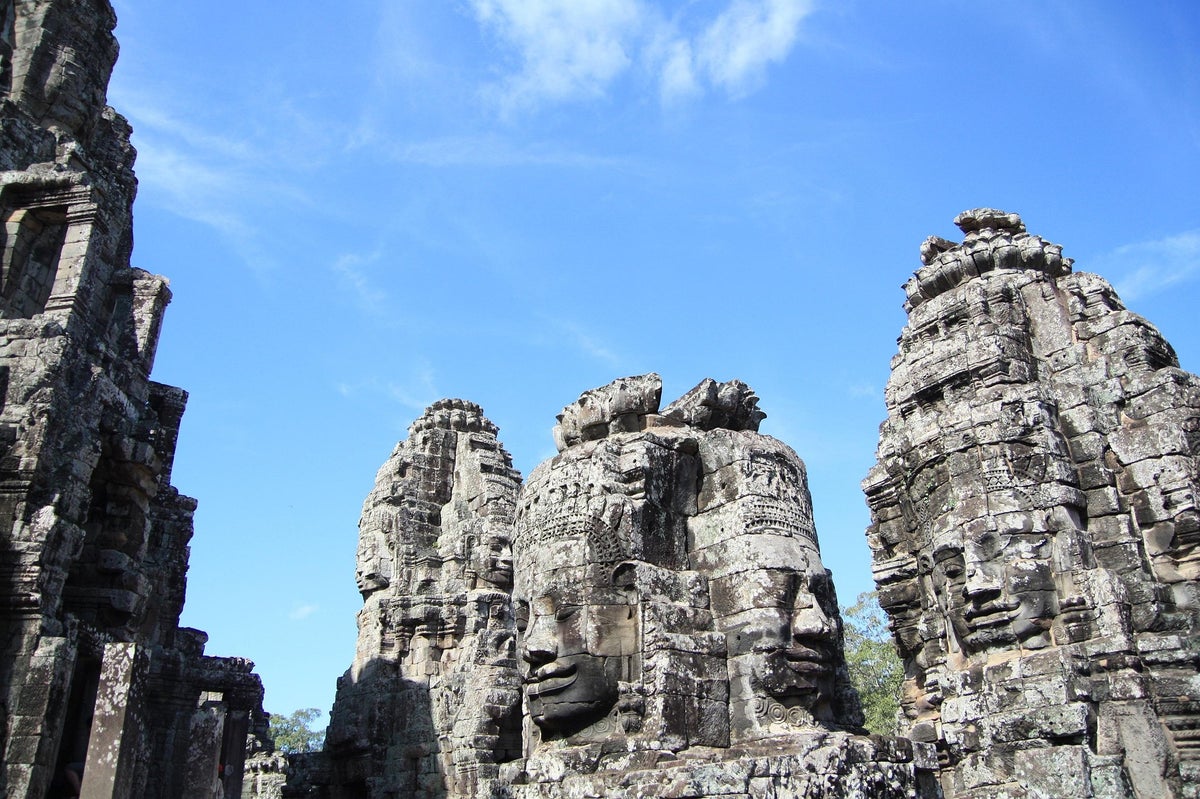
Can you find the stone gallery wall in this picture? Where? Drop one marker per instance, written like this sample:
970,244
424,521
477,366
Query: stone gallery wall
95,673
1035,526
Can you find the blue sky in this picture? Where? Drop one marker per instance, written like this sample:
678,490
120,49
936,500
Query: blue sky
368,205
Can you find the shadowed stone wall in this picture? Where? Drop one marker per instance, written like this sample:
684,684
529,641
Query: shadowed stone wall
96,676
1035,526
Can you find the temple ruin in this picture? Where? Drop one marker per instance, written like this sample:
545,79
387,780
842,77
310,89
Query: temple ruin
98,682
648,613
1035,526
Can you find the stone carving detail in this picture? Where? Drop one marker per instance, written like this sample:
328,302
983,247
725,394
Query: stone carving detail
434,676
1034,526
94,667
664,623
675,621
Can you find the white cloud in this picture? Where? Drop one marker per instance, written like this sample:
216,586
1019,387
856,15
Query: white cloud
589,344
567,48
1149,267
491,151
744,39
419,392
353,276
302,612
575,49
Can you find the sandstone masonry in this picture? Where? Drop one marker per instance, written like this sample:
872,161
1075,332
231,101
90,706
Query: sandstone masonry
96,676
1035,526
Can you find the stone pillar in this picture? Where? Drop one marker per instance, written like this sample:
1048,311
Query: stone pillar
36,711
207,733
114,750
233,751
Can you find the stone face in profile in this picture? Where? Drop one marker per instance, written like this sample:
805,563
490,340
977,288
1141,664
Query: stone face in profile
1034,525
435,671
577,645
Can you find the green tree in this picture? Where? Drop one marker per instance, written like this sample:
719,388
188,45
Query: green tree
875,667
294,734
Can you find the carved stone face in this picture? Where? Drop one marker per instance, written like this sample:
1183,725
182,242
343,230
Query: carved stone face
492,560
576,642
790,639
373,567
802,672
996,588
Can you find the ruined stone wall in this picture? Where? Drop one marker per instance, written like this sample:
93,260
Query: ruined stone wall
94,536
1035,526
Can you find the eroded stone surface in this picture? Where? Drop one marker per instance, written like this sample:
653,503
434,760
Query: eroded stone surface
1034,530
429,706
676,632
94,668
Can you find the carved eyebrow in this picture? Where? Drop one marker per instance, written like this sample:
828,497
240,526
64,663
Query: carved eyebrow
947,551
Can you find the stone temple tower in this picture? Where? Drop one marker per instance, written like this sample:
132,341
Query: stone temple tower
96,676
428,708
1034,526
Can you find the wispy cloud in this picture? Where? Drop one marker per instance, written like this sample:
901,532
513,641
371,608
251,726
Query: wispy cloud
1146,268
302,612
575,49
566,48
588,343
353,273
735,50
492,151
417,392
218,180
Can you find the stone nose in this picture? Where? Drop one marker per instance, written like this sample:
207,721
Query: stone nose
811,622
539,645
980,585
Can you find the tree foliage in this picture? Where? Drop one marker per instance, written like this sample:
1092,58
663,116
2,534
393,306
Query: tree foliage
875,667
293,733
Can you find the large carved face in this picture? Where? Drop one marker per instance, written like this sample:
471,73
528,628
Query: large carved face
492,560
802,672
373,570
996,587
576,631
577,640
788,637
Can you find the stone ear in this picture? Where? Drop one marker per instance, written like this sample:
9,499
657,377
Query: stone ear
624,575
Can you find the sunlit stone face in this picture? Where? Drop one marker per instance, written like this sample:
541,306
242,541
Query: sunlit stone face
492,560
798,670
576,631
576,642
373,567
995,587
